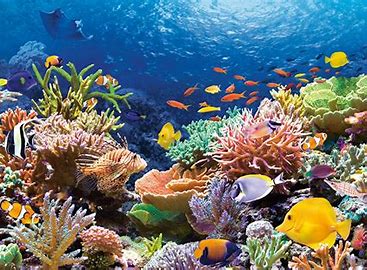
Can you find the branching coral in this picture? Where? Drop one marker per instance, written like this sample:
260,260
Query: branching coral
218,215
291,103
11,180
328,104
152,245
239,154
6,95
10,257
327,261
50,239
266,252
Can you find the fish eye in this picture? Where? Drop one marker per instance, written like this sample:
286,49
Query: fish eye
289,217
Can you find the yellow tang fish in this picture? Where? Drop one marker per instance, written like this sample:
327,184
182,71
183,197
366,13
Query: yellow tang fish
337,59
303,80
208,109
167,136
212,89
312,222
299,75
24,213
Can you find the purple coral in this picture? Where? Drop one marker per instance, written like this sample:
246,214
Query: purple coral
358,126
218,215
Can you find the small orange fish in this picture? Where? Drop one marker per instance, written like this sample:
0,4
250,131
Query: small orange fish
290,86
239,77
106,81
299,85
189,91
253,93
233,97
320,80
252,100
314,76
231,88
90,103
178,105
272,85
203,104
311,143
215,118
327,70
251,83
314,69
337,72
220,70
282,72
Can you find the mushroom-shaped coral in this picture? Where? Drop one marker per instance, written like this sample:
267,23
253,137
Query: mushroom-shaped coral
171,190
239,154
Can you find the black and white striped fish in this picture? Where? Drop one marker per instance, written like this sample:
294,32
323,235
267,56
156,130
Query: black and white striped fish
17,140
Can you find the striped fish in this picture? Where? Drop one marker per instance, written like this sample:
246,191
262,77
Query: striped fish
17,140
17,211
312,143
344,188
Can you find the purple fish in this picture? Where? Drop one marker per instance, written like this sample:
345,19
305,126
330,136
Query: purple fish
132,115
21,81
320,172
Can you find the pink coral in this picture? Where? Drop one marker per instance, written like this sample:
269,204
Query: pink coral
99,239
239,154
358,123
359,240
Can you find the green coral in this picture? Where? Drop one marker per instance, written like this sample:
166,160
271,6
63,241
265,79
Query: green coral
266,252
80,90
94,123
11,180
152,245
98,260
328,104
353,208
10,257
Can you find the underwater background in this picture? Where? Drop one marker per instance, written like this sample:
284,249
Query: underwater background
157,178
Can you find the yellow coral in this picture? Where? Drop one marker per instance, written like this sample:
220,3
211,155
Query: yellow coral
288,100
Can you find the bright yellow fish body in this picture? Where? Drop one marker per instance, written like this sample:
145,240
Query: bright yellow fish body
167,136
208,109
312,222
337,59
299,75
3,82
303,80
213,89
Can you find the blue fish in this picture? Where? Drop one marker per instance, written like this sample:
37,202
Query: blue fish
20,81
132,115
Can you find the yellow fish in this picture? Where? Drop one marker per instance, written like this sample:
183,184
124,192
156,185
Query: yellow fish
208,109
313,222
167,136
337,59
299,75
212,89
303,80
3,82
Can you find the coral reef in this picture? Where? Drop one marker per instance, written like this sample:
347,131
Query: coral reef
291,103
10,257
50,239
359,241
10,181
31,52
6,95
327,104
358,126
218,215
152,245
239,154
260,229
353,208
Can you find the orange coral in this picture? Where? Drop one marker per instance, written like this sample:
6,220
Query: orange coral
171,190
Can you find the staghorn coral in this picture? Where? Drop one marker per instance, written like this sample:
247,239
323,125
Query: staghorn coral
328,104
238,154
358,126
291,103
218,215
50,239
10,257
152,245
341,251
264,253
171,190
79,92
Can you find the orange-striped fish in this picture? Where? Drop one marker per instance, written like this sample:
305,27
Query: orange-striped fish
239,77
220,70
189,91
253,93
233,97
252,100
251,83
17,211
312,143
215,118
231,88
272,85
178,105
90,103
106,81
282,72
345,188
320,80
314,69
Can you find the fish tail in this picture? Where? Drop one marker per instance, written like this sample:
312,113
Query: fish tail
186,108
327,59
177,135
243,94
343,228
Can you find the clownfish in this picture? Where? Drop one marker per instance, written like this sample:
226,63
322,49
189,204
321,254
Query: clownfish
312,143
216,251
106,81
17,211
53,61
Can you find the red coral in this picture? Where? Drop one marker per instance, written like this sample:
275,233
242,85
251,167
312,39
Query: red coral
359,238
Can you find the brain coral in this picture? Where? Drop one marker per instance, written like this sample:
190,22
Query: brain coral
328,104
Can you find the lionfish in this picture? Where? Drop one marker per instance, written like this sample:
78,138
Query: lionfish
108,172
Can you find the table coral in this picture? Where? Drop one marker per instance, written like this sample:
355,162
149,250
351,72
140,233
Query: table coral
239,154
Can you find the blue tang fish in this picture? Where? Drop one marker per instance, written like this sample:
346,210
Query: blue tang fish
19,81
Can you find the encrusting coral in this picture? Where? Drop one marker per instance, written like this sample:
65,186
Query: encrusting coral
239,154
10,181
53,235
10,257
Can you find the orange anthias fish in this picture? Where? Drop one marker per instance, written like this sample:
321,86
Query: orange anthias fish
239,77
232,97
189,91
299,85
253,93
231,88
252,100
220,70
282,72
251,83
215,118
290,86
320,80
272,85
178,105
314,69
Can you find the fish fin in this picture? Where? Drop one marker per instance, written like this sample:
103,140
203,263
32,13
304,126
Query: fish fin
177,135
330,240
279,179
243,94
343,228
327,59
143,117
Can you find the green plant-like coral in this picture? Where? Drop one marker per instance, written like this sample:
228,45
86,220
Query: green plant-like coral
10,257
11,180
80,91
328,104
152,245
266,252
